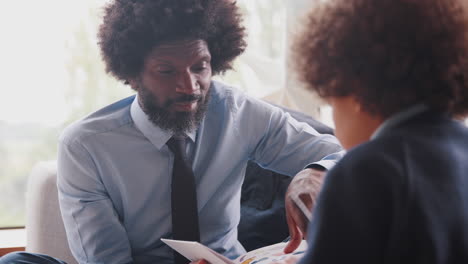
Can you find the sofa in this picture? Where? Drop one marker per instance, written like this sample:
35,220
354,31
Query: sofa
45,232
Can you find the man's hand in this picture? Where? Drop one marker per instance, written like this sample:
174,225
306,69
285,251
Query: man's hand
302,192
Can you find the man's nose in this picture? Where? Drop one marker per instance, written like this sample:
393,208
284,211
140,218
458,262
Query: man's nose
187,84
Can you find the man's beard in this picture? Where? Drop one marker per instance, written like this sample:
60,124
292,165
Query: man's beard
179,123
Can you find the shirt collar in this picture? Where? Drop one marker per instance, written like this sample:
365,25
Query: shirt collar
399,118
156,135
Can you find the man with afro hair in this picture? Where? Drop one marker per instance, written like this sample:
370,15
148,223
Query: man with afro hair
115,166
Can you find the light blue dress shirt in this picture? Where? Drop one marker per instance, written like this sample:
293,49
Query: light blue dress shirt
114,174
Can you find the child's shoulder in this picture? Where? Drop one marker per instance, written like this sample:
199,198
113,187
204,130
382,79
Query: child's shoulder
379,157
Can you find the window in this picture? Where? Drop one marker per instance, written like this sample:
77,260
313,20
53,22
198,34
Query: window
54,76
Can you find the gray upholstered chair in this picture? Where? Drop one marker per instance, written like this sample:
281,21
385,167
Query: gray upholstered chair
45,232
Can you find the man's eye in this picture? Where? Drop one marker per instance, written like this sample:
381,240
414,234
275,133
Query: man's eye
201,67
164,71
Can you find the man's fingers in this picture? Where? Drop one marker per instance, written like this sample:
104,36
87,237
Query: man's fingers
294,242
297,221
296,225
299,201
292,226
294,233
300,198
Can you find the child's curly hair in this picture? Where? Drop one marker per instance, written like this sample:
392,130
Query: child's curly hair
388,54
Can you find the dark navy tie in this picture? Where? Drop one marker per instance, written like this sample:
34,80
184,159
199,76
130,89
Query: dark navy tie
183,197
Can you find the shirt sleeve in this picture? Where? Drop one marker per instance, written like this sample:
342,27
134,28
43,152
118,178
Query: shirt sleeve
281,143
352,219
328,162
94,232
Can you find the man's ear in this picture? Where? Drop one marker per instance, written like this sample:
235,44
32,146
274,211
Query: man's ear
133,83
